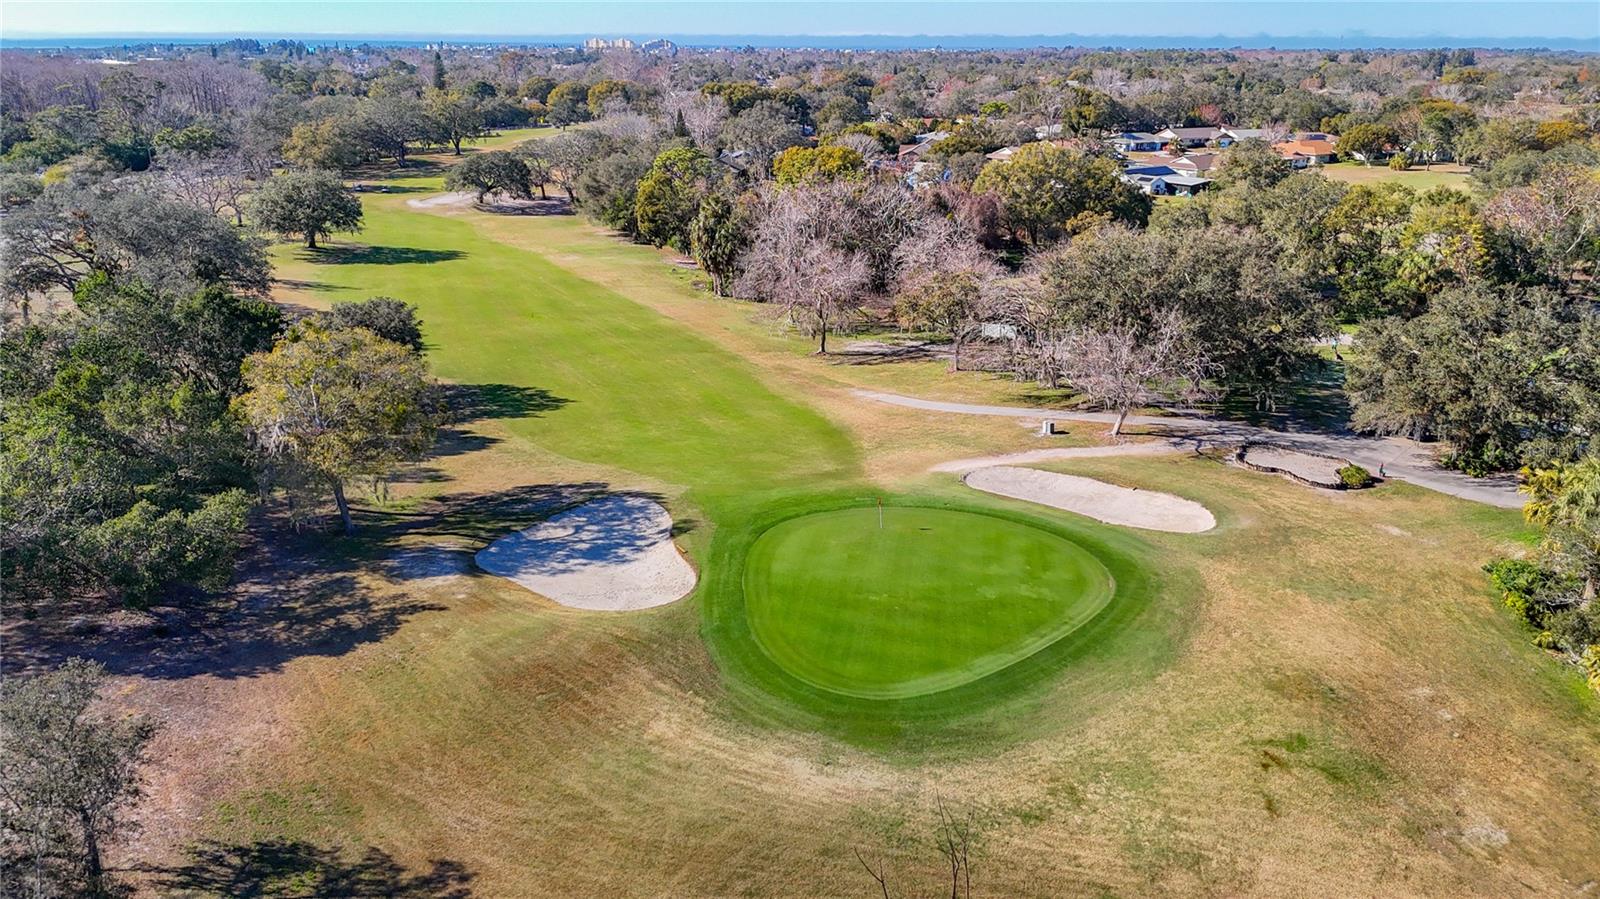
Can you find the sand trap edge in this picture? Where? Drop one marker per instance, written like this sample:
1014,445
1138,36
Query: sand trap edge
1149,510
614,553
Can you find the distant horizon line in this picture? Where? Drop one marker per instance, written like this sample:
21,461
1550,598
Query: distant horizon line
1355,39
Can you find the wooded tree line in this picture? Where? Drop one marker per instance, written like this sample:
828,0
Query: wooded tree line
1477,323
1475,312
159,394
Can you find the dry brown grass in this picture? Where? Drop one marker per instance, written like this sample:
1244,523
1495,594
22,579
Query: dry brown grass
1350,713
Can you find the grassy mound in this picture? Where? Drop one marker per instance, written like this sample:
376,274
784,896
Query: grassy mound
905,601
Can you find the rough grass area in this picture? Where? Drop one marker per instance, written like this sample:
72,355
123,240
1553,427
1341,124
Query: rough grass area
1319,698
1417,178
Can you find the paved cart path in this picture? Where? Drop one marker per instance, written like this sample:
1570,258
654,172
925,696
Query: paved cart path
1400,458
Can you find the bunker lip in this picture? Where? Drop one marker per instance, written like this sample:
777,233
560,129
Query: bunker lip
611,554
1108,503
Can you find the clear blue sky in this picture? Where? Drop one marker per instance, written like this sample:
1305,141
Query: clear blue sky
445,18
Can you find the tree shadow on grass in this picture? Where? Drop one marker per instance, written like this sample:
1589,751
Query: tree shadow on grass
295,596
365,255
285,868
444,539
478,519
476,402
411,168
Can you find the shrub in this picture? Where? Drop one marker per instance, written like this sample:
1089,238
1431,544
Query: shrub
1399,162
1576,629
1521,583
1590,663
1354,477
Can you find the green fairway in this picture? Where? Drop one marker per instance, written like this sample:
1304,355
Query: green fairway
929,600
591,385
572,367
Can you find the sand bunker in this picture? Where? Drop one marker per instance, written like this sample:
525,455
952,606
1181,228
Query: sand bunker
609,554
1318,469
453,198
1109,503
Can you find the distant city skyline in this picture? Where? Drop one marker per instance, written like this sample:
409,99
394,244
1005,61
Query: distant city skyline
1565,24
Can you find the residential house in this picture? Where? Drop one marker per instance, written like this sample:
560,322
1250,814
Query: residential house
1194,163
1187,164
1135,142
1150,184
1003,154
921,144
1313,148
736,160
1186,185
1161,181
1189,137
1151,169
1231,136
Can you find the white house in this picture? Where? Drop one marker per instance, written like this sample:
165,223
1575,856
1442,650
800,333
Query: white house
1190,137
1135,142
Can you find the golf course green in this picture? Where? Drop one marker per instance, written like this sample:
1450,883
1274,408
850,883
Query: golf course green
904,601
915,634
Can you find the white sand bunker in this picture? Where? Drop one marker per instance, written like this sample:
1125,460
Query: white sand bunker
453,198
609,554
1319,469
1109,503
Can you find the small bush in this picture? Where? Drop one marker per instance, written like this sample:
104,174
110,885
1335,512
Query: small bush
1521,584
1354,476
1590,663
1575,629
1399,162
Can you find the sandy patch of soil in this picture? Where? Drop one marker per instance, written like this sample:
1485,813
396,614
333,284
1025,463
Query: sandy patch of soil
453,198
1312,468
496,203
610,554
1109,503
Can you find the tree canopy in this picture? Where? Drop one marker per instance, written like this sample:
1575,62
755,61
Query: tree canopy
311,204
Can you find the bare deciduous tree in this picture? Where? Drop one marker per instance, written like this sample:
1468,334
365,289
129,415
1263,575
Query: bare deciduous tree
795,263
67,776
216,184
954,840
941,274
865,144
620,122
702,115
879,874
1118,370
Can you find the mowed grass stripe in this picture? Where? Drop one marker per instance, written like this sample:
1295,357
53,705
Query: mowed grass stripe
627,386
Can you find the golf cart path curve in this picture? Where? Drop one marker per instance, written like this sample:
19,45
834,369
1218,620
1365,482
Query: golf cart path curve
1401,459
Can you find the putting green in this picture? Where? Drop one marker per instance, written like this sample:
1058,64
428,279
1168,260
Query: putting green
932,599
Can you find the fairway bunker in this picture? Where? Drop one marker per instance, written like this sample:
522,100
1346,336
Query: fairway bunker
1127,506
610,554
904,601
